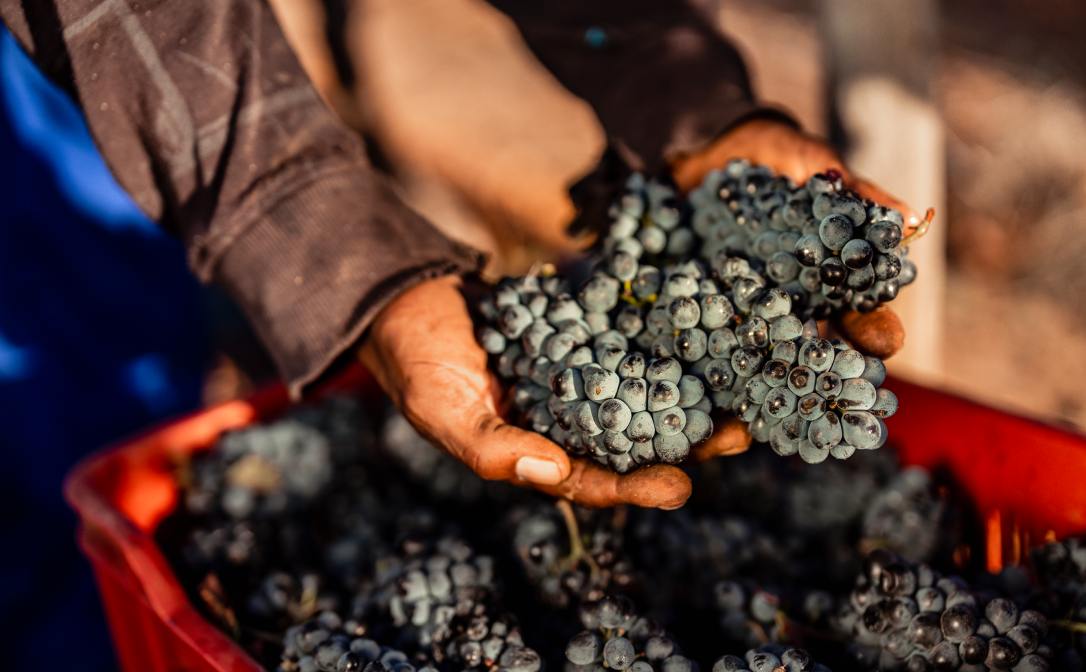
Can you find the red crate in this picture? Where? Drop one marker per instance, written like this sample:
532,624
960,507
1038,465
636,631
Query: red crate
1021,474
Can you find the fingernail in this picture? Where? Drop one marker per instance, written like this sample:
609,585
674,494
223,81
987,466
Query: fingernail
535,470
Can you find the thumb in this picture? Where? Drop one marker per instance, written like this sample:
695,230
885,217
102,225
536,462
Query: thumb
730,437
878,333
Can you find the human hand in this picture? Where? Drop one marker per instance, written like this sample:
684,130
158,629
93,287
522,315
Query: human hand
422,350
791,152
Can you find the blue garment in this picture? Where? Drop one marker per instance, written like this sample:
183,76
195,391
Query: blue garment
101,334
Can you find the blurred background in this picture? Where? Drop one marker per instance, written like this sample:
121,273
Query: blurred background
976,108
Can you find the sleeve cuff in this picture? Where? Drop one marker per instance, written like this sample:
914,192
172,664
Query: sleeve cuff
314,269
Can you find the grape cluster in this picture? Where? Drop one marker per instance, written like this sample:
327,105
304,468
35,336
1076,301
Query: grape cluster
617,638
328,644
662,333
826,246
563,575
905,616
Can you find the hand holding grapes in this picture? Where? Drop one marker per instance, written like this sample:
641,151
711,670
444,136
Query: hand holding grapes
423,352
791,152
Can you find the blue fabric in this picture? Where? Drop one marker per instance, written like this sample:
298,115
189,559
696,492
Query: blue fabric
100,335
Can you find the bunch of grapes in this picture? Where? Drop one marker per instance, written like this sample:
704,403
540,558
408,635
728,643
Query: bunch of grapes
566,571
662,334
328,644
904,616
826,246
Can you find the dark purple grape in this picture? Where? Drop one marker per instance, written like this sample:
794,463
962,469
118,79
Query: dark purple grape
1002,654
833,272
973,650
957,623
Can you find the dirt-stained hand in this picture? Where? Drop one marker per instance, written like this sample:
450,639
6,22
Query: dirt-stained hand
423,352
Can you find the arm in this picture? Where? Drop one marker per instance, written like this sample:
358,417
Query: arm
205,117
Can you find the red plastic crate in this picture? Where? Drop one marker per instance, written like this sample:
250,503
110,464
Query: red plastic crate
1019,472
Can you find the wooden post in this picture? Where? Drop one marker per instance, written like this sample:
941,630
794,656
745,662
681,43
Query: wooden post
881,59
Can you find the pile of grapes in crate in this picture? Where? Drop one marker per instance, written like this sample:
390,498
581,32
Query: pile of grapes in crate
337,539
702,308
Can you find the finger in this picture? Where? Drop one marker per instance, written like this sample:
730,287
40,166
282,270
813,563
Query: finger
864,188
730,437
878,333
659,486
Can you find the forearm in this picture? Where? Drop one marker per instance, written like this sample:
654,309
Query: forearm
205,117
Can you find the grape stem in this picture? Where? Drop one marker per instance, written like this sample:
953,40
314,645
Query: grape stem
577,552
920,230
1076,626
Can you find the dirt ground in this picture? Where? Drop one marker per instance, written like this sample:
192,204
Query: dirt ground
1012,95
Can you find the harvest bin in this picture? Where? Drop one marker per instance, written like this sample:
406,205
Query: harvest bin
1020,474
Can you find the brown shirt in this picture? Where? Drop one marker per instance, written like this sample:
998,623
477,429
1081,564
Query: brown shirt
275,199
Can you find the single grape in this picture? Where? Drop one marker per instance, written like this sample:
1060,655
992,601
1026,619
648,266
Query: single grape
610,356
1001,613
641,428
786,328
828,385
812,406
716,311
931,600
756,388
835,231
747,361
812,454
885,404
662,395
663,346
691,391
775,373
618,653
848,364
884,236
514,320
973,650
628,321
616,443
668,369
690,345
944,657
671,449
816,354
599,294
825,432
771,304
767,244
957,624
780,402
722,344
580,358
833,272
684,312
583,648
874,371
887,266
631,366
491,340
801,380
782,267
680,284
856,395
861,429
586,417
744,291
719,375
861,279
745,408
598,323
699,426
786,351
647,282
600,384
614,415
753,331
886,290
1003,654
669,422
653,239
1035,620
857,254
577,329
810,251
924,630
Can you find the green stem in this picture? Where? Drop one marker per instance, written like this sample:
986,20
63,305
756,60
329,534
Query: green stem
1077,626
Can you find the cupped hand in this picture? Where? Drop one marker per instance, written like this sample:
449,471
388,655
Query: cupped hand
792,152
422,350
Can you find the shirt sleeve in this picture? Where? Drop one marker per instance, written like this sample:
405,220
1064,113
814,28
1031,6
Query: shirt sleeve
662,81
204,115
